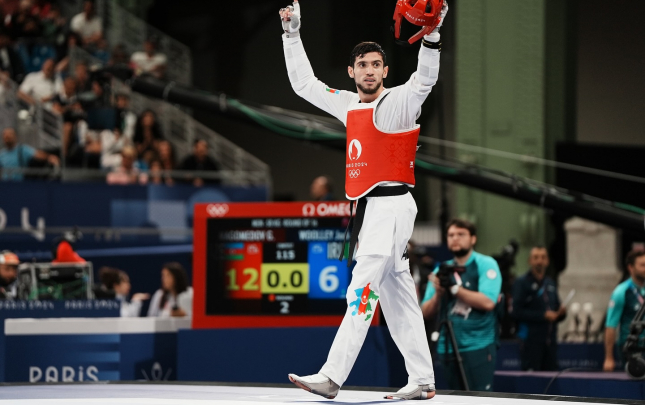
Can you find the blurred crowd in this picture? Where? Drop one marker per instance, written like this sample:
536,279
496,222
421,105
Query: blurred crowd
100,130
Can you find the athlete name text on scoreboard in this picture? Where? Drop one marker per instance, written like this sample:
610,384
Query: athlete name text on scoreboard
277,234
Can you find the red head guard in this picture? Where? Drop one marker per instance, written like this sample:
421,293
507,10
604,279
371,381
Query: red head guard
425,13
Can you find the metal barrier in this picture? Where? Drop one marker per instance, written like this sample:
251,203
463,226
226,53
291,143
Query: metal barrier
182,130
121,27
79,54
8,103
37,126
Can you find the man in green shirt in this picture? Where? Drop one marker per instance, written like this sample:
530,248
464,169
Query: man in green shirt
468,298
625,302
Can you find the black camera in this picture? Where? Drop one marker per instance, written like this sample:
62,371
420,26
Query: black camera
446,274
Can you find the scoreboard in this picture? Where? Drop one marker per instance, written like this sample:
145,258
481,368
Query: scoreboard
269,264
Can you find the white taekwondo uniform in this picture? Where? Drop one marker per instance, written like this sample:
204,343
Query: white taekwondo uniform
382,268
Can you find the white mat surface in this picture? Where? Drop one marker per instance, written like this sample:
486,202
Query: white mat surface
153,394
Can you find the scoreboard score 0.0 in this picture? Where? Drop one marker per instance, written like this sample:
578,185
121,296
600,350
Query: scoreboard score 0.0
269,264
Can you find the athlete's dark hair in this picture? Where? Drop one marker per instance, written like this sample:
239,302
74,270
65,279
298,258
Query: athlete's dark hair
366,47
462,223
630,260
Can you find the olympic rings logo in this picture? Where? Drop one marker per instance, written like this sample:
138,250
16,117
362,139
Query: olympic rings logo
354,173
217,210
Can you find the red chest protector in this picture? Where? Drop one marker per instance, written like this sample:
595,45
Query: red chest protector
374,156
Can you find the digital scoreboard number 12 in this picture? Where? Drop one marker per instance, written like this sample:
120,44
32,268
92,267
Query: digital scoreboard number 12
243,263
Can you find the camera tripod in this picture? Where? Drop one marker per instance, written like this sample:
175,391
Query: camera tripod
633,348
450,334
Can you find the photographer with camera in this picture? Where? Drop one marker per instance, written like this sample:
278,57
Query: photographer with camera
625,302
537,308
463,292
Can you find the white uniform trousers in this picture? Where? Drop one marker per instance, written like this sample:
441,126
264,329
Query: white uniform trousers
382,273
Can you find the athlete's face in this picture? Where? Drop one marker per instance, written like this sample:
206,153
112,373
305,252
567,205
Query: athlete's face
638,269
460,241
368,72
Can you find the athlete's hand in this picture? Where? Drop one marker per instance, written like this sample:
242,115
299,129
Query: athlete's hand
436,284
290,17
444,11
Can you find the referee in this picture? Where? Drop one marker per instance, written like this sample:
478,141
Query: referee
536,307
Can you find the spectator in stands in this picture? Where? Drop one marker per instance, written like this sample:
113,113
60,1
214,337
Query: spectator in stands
112,143
536,307
39,87
82,76
127,172
126,119
116,283
156,173
626,300
161,163
175,297
119,63
8,274
17,156
10,63
22,23
65,102
147,133
72,41
102,52
149,62
166,154
199,161
53,25
322,189
97,97
87,24
119,56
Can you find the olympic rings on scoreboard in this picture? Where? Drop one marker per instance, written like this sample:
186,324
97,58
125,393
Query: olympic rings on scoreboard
354,173
217,210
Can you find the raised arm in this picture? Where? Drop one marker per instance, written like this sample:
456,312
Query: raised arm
301,74
415,91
